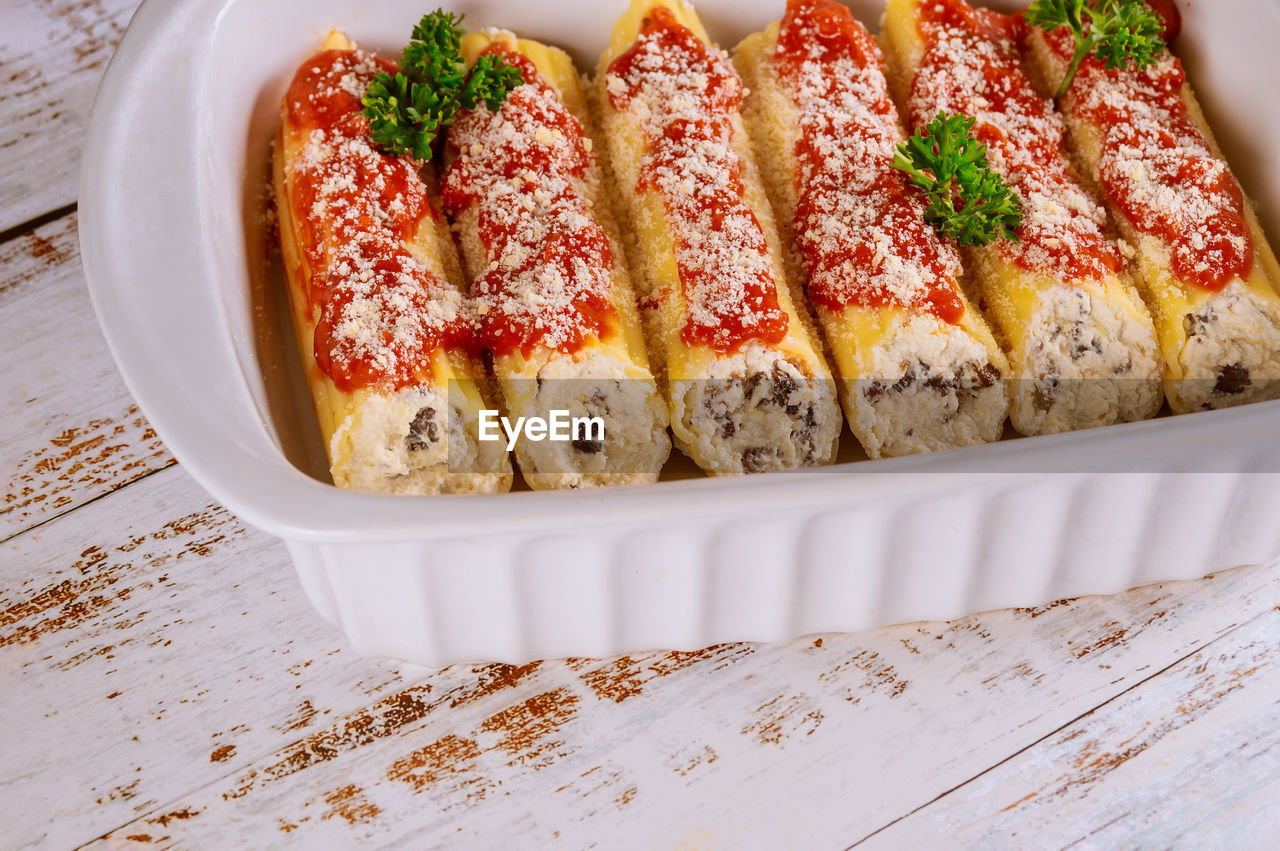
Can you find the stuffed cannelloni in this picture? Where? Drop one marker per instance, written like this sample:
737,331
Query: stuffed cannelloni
374,284
1080,340
1204,265
553,297
747,384
919,368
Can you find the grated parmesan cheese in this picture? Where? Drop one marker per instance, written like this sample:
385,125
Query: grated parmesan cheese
685,96
972,65
549,278
861,232
381,312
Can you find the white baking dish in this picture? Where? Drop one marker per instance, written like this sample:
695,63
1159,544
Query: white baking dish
173,244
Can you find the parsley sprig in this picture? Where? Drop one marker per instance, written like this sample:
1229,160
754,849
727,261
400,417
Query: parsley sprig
967,200
1118,31
407,110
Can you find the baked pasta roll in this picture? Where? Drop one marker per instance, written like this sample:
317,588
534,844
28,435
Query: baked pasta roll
919,368
553,297
748,386
1079,338
375,289
1204,265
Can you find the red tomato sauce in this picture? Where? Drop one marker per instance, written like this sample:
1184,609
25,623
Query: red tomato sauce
549,278
689,95
972,65
859,226
380,313
1158,169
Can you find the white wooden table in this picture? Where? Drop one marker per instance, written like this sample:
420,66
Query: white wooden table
163,680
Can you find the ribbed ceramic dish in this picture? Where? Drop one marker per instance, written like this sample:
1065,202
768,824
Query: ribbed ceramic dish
174,245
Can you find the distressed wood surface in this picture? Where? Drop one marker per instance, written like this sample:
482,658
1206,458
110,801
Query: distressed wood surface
165,651
810,744
1132,772
164,681
71,432
52,55
176,629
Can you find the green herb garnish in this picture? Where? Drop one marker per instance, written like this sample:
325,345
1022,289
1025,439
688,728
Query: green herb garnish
407,110
967,200
1119,31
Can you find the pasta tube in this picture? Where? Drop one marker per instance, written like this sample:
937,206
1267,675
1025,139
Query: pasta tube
374,288
1204,265
555,303
919,368
747,384
1079,338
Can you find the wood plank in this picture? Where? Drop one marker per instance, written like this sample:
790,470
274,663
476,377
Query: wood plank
51,58
1190,758
819,741
154,643
72,431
